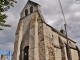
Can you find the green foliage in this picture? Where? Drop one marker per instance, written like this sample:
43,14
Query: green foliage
4,6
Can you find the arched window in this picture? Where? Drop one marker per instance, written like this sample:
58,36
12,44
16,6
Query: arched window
26,53
26,12
31,9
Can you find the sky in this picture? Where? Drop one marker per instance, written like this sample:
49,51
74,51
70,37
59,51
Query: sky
52,15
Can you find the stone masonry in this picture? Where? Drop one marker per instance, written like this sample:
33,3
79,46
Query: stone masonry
36,40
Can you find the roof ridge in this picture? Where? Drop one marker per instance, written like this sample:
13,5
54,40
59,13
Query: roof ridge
33,2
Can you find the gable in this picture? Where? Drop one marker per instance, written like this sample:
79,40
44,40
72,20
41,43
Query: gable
28,5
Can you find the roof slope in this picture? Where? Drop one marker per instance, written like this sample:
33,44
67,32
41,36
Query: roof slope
52,27
29,1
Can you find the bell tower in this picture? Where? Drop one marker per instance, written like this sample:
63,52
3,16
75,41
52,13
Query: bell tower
26,40
23,44
28,17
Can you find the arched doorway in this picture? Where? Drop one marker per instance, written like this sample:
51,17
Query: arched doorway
26,53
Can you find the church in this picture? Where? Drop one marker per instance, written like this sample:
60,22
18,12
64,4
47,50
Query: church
36,40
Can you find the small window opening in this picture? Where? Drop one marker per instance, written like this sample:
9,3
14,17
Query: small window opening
31,9
26,12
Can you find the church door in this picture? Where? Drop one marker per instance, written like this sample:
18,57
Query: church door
26,53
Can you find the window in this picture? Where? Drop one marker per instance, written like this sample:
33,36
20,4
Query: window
26,12
31,9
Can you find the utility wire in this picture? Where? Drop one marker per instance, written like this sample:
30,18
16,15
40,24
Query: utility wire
73,32
65,19
62,11
68,50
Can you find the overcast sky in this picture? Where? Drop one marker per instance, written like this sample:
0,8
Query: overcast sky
52,14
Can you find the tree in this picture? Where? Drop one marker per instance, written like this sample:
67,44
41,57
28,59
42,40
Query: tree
4,6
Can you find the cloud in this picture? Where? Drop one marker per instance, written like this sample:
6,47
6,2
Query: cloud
8,46
52,14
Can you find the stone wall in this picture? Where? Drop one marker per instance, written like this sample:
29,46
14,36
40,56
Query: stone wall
58,50
74,54
44,42
41,40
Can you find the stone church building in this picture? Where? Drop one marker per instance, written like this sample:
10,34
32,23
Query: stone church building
36,40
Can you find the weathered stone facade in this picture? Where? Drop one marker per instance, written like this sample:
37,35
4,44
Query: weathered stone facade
36,40
3,57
